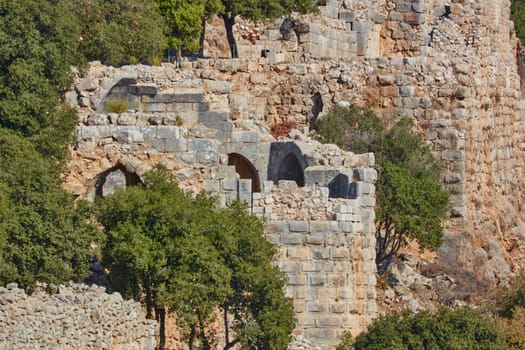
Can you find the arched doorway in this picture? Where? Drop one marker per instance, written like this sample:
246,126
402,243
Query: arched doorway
290,169
113,178
245,169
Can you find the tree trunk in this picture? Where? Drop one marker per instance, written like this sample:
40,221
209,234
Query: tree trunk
202,38
160,313
179,55
229,21
191,339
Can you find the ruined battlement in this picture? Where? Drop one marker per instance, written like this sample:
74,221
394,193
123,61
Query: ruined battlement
450,66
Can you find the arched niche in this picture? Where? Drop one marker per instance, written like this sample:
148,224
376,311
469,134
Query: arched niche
113,178
290,169
339,187
245,169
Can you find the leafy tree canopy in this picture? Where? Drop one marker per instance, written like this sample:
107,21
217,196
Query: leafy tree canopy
185,20
461,328
38,46
44,236
410,199
176,251
119,31
517,14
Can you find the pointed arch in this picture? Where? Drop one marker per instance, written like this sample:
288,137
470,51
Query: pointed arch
245,169
113,178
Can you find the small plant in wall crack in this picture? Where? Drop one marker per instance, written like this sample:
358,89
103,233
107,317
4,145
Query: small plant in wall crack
117,106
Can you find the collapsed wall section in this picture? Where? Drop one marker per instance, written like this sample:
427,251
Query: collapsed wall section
76,317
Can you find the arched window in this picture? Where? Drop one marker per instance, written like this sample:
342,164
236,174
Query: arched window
113,178
245,169
290,169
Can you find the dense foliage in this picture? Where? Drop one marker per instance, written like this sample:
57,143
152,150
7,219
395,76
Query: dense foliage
120,31
410,200
43,235
517,14
461,328
172,250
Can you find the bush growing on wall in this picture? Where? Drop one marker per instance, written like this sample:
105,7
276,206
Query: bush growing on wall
410,200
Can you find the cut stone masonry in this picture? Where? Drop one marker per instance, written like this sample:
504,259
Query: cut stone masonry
450,66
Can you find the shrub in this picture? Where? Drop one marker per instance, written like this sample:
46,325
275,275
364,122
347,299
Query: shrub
461,328
117,106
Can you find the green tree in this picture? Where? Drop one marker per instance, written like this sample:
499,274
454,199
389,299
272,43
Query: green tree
120,30
410,199
262,316
44,236
175,251
461,328
517,14
257,11
186,21
38,45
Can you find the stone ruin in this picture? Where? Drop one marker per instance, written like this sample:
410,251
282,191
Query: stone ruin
450,66
73,317
317,201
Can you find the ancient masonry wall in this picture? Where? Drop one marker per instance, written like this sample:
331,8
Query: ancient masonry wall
318,201
449,66
75,317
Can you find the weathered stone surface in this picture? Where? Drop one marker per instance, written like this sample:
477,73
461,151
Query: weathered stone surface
78,317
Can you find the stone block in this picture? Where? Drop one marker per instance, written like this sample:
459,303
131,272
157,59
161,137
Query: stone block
312,266
366,174
296,280
299,253
316,307
201,145
292,238
419,7
376,17
340,253
276,227
315,239
339,308
414,18
210,158
320,227
410,102
289,267
158,145
244,136
229,184
404,5
330,322
142,89
406,91
347,16
219,87
212,117
168,132
299,226
212,185
320,253
299,69
453,155
316,280
395,16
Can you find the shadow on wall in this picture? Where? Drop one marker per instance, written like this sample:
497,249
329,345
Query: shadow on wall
287,162
119,92
114,178
245,169
339,187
